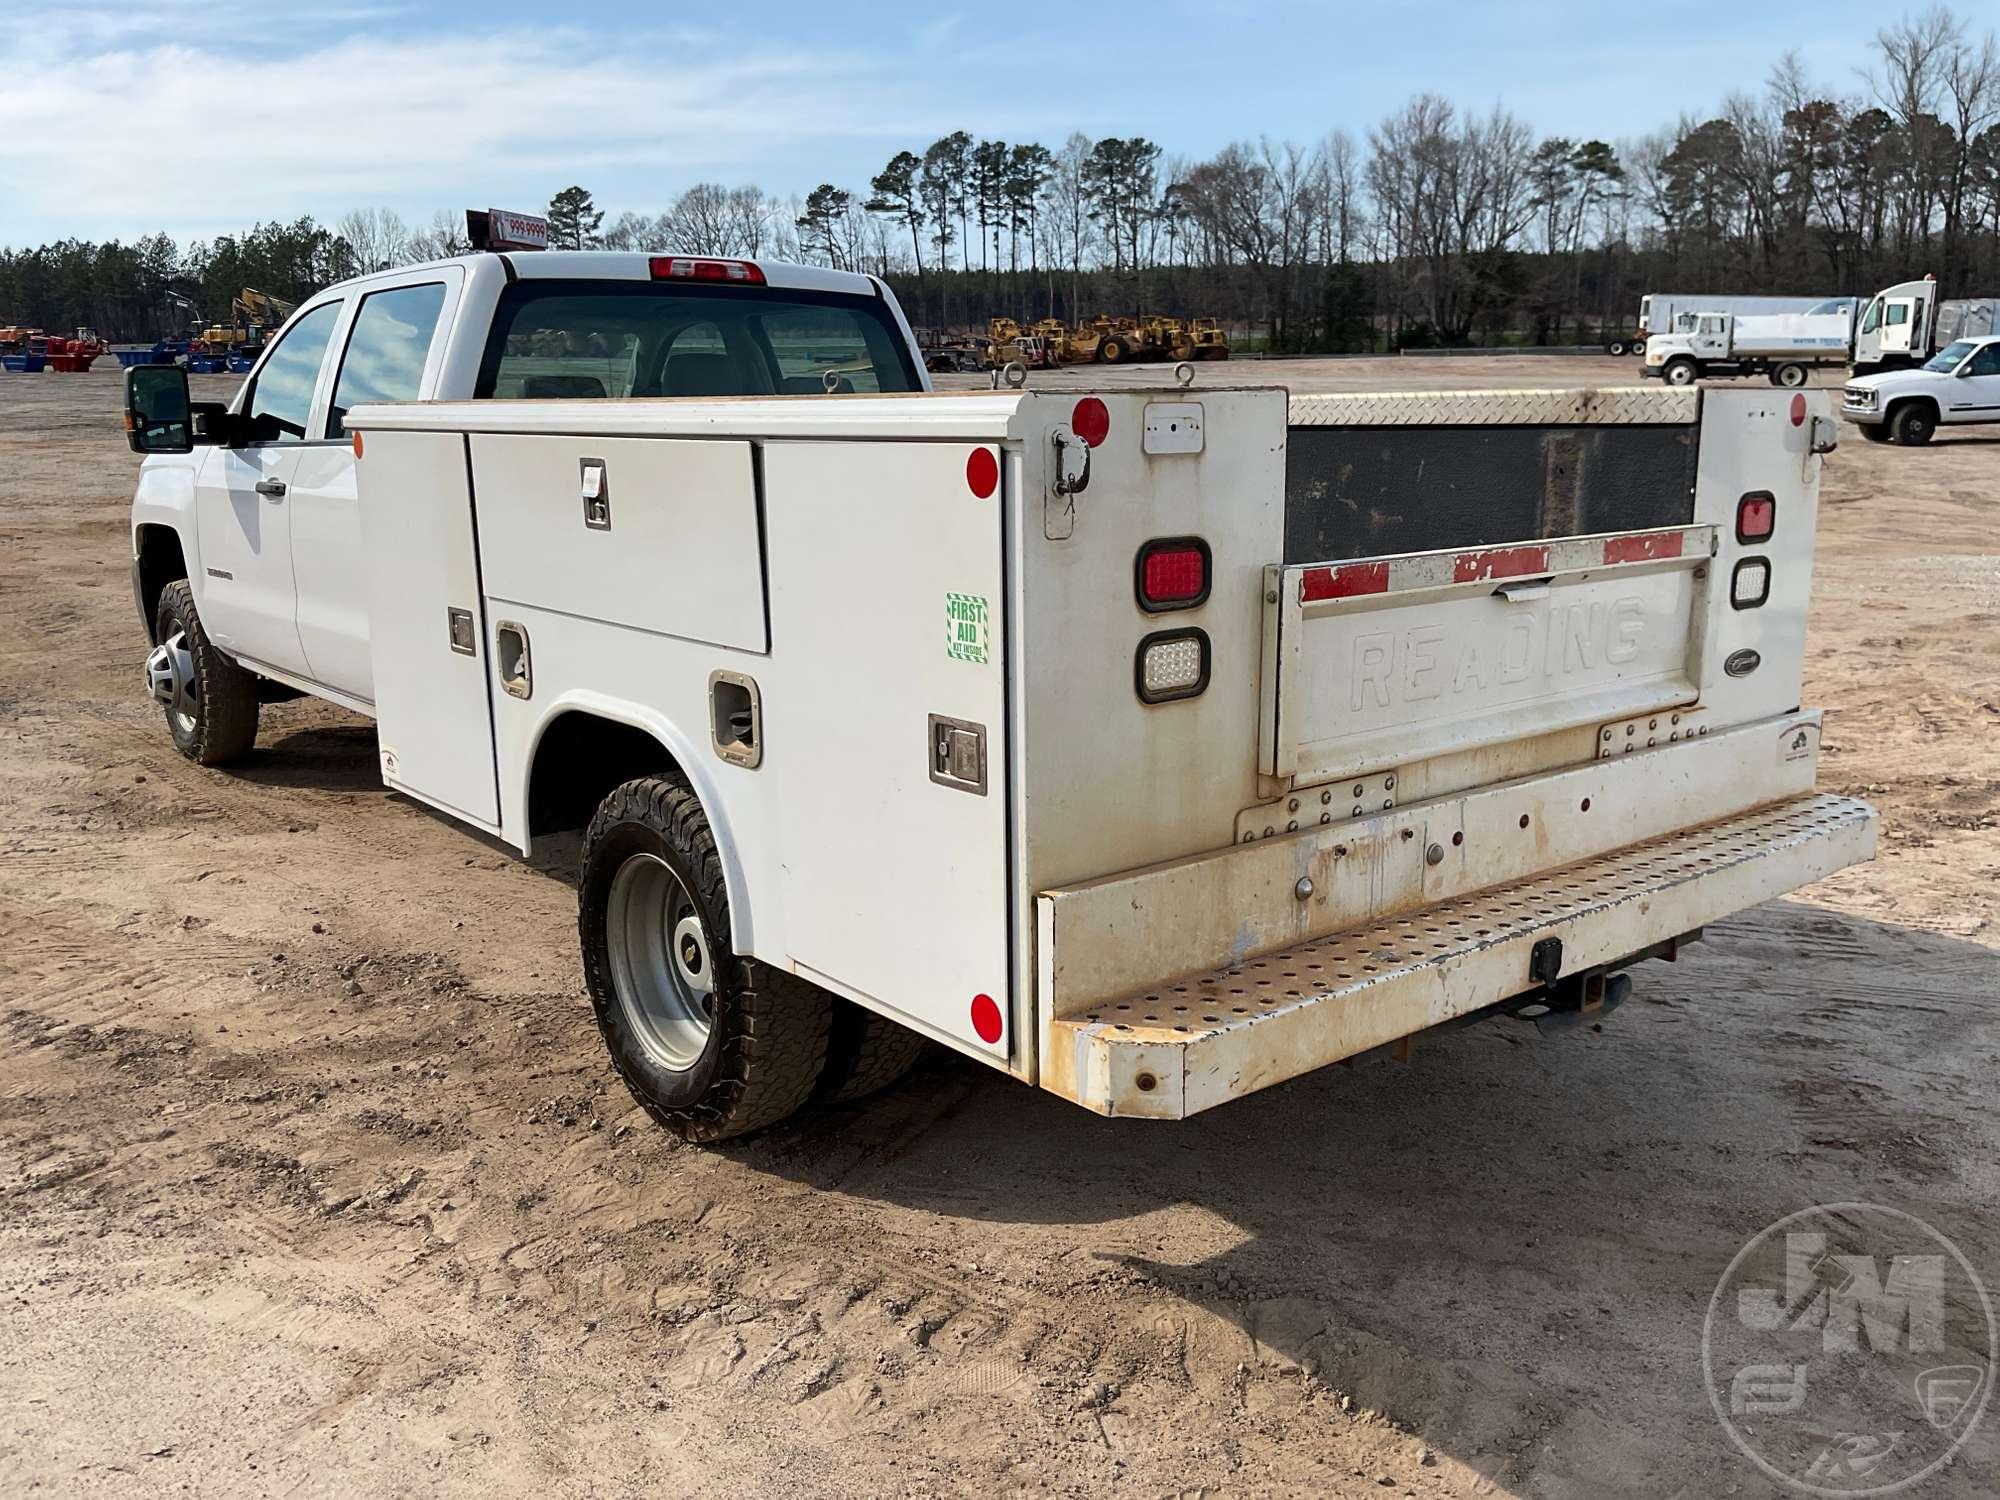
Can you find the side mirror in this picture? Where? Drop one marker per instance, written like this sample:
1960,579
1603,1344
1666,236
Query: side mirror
158,417
1963,370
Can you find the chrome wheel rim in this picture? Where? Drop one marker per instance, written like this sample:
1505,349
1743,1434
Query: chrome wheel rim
662,969
170,679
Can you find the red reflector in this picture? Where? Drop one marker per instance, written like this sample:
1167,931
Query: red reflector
1345,582
690,268
1090,420
986,1018
1798,411
982,472
1756,516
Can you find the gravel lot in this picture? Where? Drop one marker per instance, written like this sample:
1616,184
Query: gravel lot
313,1179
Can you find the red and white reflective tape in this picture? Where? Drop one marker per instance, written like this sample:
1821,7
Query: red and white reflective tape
1431,570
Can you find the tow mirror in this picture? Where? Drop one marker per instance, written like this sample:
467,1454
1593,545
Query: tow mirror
158,417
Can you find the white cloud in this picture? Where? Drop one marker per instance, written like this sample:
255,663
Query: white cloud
136,123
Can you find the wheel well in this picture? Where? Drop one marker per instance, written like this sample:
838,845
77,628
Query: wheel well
1902,401
161,562
581,757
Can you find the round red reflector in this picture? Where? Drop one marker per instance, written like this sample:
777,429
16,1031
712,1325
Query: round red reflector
982,472
1798,411
986,1018
1091,420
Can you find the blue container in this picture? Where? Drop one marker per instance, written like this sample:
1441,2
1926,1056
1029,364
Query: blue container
239,364
24,364
208,364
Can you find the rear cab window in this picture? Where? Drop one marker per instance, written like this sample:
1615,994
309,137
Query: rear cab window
561,339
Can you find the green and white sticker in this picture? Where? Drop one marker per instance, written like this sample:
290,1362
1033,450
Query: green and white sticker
965,629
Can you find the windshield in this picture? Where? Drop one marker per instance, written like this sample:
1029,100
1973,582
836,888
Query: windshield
1837,305
570,339
1946,359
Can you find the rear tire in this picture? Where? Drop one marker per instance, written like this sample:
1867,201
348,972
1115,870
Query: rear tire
210,702
865,1052
1790,376
1912,424
713,1045
1112,351
1617,347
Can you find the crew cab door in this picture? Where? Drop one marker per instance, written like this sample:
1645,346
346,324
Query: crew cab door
248,599
387,351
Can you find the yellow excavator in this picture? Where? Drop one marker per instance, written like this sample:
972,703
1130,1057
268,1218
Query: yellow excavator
253,317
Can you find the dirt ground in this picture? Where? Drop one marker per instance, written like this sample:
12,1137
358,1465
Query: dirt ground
313,1179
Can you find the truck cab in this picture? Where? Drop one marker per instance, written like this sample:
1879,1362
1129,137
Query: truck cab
262,518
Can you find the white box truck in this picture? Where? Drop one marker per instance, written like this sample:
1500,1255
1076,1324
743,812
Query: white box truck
1151,746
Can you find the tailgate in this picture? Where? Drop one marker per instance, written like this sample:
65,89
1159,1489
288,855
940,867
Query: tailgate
1390,660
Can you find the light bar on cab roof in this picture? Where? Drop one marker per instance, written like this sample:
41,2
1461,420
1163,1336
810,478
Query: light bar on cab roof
697,268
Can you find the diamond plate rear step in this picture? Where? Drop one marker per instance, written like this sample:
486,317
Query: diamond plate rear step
1175,1050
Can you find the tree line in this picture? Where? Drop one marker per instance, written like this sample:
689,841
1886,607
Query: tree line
1440,225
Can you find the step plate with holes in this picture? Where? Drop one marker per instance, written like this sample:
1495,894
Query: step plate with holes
1182,1048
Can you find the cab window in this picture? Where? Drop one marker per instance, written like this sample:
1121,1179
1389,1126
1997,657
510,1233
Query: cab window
281,400
1986,361
1899,314
387,350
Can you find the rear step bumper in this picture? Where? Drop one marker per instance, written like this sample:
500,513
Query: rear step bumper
1177,1049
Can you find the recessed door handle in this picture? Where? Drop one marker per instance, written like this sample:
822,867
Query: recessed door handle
275,488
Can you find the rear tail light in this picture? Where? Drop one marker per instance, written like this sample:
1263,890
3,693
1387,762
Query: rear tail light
1173,573
1756,516
1172,664
1750,584
691,268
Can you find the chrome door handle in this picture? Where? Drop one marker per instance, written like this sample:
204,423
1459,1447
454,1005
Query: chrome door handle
275,488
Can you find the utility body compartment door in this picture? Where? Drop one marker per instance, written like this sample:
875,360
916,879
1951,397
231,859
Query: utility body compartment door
885,725
428,640
658,534
1392,660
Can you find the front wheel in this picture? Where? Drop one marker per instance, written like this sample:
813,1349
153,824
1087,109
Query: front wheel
712,1044
1680,372
1912,425
210,702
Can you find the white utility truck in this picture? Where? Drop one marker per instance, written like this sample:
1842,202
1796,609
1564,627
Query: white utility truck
1675,312
1960,385
1152,746
1783,347
1908,324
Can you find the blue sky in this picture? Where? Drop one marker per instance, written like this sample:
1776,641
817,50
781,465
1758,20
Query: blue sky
204,115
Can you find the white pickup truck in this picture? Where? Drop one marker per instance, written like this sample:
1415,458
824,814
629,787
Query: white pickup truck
1959,385
1154,747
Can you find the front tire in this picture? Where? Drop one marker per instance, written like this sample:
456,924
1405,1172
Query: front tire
1912,424
210,702
1112,351
713,1045
1680,372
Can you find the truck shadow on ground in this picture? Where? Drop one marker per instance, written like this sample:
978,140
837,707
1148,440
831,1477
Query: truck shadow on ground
1511,1240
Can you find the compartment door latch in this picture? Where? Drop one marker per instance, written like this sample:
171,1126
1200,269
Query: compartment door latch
958,754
